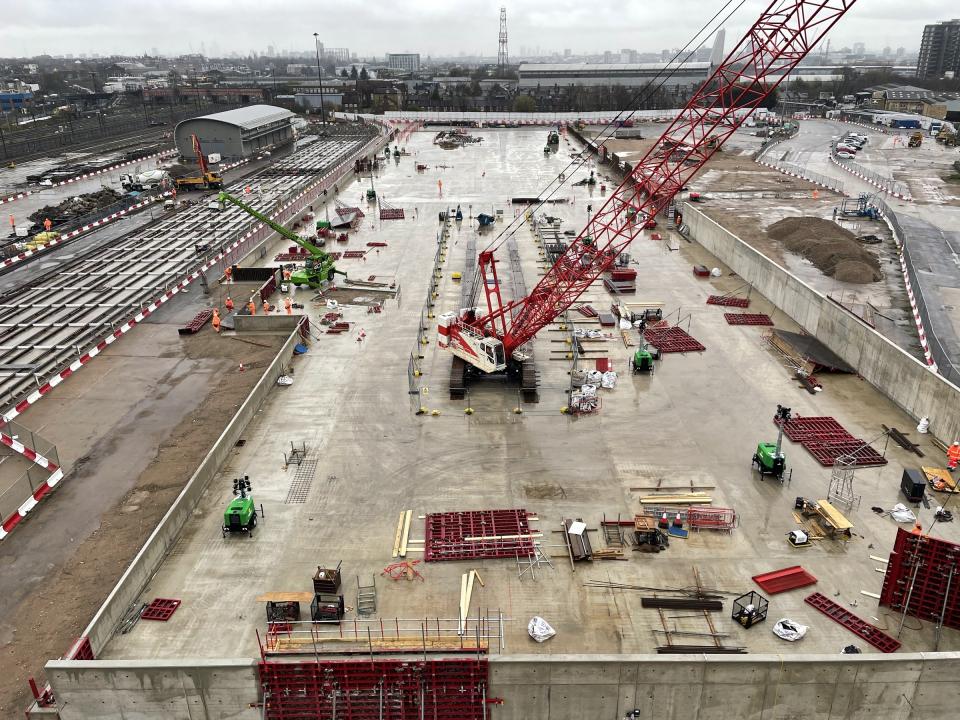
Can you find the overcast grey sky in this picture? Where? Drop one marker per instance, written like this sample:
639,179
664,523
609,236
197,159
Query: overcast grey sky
430,27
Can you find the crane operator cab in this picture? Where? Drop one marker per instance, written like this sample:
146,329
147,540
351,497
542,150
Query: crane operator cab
466,342
493,349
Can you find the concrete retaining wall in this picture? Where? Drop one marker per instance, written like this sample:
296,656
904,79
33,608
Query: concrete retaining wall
902,378
145,564
155,689
716,687
911,686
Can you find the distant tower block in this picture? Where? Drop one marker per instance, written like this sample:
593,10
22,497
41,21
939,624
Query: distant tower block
502,55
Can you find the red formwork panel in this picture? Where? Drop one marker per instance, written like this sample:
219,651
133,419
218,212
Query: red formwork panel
936,586
725,301
80,650
160,609
799,428
354,253
195,325
826,453
788,578
493,532
672,340
747,319
870,633
449,689
391,213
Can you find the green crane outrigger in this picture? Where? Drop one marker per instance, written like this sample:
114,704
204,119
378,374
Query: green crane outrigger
319,265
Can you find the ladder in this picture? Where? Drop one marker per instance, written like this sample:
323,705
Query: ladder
367,597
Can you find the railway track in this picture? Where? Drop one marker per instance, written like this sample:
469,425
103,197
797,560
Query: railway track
50,321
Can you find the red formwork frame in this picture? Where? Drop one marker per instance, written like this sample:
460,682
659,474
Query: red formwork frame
863,455
859,627
799,428
936,585
672,340
447,689
747,319
826,439
773,46
161,609
726,301
446,535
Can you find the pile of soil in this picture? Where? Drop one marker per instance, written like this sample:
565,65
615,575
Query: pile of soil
832,249
76,207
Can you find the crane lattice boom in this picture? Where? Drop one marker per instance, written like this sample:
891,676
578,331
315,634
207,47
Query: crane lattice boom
786,31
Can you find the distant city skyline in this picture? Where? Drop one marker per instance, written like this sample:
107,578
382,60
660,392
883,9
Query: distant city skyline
428,27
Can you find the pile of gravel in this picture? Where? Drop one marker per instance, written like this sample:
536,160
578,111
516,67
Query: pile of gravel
832,249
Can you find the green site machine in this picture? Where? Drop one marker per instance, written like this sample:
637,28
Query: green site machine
643,360
318,266
241,513
769,458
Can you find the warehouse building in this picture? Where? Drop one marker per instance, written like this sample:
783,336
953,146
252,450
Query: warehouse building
235,134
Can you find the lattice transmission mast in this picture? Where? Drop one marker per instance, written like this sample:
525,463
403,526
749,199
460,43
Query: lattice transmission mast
503,58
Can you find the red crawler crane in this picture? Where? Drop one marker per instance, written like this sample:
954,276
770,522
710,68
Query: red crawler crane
777,42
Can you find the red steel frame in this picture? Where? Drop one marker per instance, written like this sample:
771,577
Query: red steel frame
747,319
727,301
937,579
870,633
446,535
786,31
672,340
450,689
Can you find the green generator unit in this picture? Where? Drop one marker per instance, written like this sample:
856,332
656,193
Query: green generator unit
643,360
241,513
769,458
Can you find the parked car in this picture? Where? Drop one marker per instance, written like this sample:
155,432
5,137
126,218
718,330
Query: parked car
845,155
849,148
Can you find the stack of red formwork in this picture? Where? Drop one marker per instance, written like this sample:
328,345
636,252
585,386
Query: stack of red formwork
621,281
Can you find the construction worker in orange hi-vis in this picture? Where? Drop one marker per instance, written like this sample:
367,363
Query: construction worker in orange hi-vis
216,320
953,455
288,305
229,304
47,224
228,274
266,308
286,274
251,308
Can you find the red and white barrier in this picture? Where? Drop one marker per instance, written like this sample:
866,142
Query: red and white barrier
73,233
56,473
86,176
918,321
867,180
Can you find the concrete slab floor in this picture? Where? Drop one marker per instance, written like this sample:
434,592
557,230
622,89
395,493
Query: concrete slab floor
699,418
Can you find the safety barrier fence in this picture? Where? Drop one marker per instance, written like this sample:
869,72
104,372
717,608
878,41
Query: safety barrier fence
792,169
884,184
427,320
86,176
934,351
288,209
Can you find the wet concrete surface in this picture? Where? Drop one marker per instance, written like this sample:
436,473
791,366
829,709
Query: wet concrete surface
698,419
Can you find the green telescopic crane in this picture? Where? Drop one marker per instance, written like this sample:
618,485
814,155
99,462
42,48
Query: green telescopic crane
319,266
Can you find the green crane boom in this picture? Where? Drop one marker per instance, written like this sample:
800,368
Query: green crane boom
319,265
